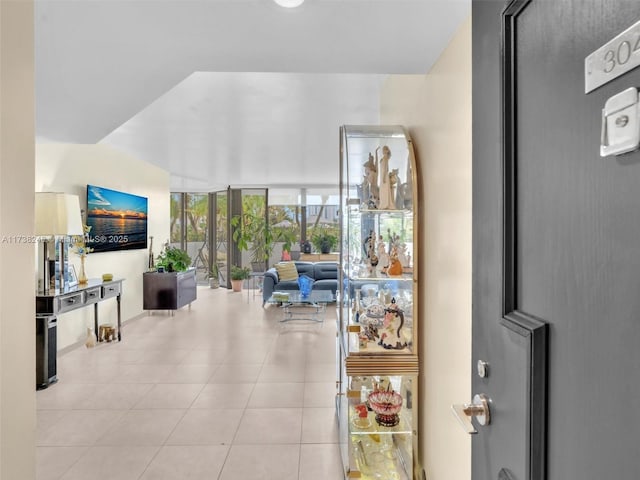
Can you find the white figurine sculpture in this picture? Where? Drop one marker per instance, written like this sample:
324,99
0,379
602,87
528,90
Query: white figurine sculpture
383,257
386,201
370,183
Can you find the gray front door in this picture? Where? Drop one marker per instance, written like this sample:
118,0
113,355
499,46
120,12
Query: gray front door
556,246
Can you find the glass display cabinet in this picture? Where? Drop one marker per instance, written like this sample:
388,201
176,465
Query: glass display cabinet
377,344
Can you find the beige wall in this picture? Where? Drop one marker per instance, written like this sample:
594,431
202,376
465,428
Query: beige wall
17,306
436,108
69,168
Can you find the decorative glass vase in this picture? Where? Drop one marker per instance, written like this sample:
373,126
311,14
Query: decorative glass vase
305,283
82,277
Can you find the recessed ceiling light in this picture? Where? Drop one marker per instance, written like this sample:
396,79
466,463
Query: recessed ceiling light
289,3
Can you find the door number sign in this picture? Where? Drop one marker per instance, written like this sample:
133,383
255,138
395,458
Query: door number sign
614,58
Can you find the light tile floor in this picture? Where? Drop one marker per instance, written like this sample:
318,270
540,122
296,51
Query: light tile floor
221,391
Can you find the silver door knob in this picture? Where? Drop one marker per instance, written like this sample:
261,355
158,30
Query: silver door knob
479,409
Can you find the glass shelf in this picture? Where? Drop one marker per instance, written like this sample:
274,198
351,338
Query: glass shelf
404,427
382,458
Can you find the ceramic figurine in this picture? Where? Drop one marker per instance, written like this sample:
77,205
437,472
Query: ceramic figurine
371,332
357,307
373,262
393,181
369,248
395,267
386,201
370,252
383,257
370,183
91,338
392,324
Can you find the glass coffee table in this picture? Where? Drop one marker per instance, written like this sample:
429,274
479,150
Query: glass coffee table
296,307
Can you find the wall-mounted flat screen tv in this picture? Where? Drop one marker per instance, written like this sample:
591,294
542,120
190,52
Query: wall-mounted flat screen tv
118,220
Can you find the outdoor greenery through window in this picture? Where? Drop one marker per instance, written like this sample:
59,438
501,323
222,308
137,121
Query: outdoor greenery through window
272,226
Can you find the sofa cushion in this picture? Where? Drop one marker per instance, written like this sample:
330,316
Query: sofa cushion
305,268
290,285
325,270
326,284
287,271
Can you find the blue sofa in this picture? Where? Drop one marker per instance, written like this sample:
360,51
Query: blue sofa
325,275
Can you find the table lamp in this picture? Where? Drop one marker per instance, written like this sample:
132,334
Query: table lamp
56,215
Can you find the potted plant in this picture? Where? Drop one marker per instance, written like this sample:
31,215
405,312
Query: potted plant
173,259
251,233
238,275
323,241
288,238
295,251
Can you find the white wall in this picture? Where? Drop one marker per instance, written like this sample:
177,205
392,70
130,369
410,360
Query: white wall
436,108
69,168
17,306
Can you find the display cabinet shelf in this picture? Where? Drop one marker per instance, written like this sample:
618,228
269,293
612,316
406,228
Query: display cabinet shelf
378,321
384,457
404,427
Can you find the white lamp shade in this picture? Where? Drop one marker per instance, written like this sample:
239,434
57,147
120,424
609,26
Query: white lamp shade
289,3
58,214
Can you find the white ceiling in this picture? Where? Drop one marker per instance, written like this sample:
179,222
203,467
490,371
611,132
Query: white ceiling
220,92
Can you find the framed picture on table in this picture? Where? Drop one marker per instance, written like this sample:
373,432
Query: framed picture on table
71,279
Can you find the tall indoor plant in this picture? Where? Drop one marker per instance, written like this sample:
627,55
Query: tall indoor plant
251,233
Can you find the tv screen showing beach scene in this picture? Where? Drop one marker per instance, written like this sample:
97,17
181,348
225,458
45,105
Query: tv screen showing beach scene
118,220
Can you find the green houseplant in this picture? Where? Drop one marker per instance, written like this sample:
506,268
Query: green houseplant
238,275
173,259
286,235
323,241
251,233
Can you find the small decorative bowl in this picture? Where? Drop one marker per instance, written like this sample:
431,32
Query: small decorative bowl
386,404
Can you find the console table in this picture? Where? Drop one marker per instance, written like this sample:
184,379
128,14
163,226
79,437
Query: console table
50,305
73,298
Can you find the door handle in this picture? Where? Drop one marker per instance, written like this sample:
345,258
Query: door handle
479,409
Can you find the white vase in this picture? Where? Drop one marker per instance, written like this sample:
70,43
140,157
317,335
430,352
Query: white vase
91,338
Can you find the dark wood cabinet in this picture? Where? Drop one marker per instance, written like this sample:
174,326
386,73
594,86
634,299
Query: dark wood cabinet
169,290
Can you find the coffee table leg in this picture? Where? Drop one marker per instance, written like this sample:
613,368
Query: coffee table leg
314,316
